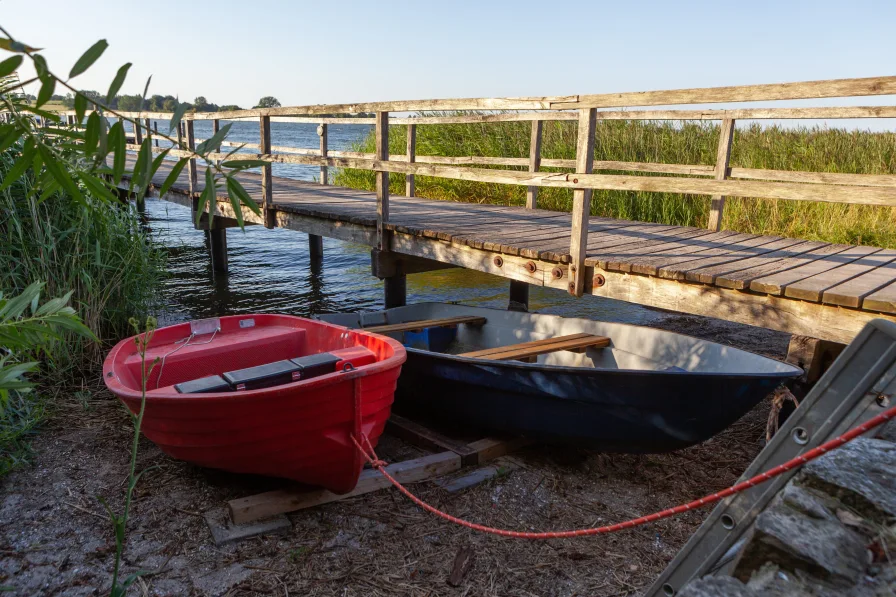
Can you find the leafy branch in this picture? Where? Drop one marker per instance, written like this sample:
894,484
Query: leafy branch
98,140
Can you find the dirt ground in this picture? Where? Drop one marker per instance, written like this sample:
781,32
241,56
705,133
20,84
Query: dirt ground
56,539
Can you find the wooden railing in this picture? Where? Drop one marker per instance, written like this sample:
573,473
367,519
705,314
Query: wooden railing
717,181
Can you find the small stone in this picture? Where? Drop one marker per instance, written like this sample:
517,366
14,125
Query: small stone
861,474
799,533
887,432
716,586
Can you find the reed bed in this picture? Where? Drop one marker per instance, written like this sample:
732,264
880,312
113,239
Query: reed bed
817,149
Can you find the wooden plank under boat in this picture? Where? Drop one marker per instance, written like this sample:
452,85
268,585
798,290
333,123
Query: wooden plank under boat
265,394
608,386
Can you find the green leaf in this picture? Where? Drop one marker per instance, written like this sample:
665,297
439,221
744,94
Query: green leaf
235,202
213,143
80,108
117,82
173,175
46,90
19,167
243,164
88,58
10,65
15,46
97,187
40,66
179,112
117,144
157,162
15,306
146,90
234,187
207,196
92,133
138,176
60,173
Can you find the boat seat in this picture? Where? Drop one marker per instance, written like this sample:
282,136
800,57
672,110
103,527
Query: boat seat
416,326
527,350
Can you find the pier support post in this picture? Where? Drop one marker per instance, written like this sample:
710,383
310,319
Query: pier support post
581,201
267,181
218,245
519,296
315,247
396,290
315,241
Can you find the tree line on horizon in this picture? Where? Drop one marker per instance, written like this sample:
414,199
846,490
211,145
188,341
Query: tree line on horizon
158,103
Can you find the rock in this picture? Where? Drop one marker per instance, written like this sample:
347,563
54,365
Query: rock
771,581
887,431
799,532
716,586
861,474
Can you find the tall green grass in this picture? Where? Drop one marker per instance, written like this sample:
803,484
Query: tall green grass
814,149
99,251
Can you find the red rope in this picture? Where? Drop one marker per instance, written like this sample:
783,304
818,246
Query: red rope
704,501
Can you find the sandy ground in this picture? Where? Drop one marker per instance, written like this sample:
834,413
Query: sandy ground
56,539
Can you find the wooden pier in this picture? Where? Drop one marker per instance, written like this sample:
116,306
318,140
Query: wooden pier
806,288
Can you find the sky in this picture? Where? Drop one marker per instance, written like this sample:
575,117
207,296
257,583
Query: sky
347,51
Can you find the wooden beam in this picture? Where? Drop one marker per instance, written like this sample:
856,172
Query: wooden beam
288,500
538,347
795,191
267,178
416,326
426,438
534,161
740,93
155,130
411,155
190,134
382,180
138,132
385,264
581,202
723,156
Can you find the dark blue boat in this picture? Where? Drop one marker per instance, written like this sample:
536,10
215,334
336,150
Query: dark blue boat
641,390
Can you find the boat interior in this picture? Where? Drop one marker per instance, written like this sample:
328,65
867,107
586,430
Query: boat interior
491,334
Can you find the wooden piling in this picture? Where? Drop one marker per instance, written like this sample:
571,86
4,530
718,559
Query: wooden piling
581,201
723,156
267,179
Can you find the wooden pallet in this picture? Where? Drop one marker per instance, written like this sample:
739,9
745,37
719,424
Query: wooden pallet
450,455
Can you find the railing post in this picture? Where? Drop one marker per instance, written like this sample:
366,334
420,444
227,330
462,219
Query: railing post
723,156
148,123
138,133
410,187
581,201
180,135
216,126
534,161
191,165
381,153
267,182
155,130
322,133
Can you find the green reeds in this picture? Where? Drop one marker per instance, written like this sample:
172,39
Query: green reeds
813,149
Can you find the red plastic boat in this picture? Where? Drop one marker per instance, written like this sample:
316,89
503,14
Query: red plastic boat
264,394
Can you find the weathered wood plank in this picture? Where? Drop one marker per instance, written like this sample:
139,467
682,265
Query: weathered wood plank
581,202
704,246
883,300
852,292
267,178
723,156
415,326
289,500
323,134
776,283
769,252
743,278
538,347
812,289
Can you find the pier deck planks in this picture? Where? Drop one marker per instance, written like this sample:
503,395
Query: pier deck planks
861,278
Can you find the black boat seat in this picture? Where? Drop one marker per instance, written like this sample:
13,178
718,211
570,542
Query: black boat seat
416,326
527,350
